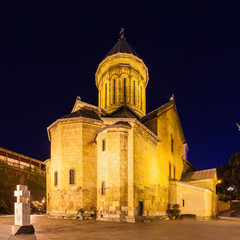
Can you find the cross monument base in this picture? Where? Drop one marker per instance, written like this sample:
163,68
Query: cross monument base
18,230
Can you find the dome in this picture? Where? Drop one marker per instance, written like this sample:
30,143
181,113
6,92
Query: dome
122,46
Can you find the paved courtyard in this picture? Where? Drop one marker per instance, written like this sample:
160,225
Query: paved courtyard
50,228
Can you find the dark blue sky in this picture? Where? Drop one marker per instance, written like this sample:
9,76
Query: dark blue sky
50,51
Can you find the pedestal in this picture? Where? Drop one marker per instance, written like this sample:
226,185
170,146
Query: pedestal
22,213
18,230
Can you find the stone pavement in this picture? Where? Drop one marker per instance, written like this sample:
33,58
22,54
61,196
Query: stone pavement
230,218
51,228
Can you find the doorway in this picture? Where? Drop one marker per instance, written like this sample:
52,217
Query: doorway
140,207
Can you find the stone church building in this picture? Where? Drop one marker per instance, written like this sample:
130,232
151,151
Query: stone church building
119,161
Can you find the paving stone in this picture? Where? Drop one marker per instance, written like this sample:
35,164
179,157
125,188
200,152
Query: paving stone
52,228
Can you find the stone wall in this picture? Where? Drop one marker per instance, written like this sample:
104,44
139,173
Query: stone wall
223,206
112,179
192,199
10,177
166,125
150,179
72,148
211,184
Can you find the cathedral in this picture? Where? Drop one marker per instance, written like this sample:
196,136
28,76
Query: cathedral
120,162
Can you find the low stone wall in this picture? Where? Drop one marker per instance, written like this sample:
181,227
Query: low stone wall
223,206
192,199
10,177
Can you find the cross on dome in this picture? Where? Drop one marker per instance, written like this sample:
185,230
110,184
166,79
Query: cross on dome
121,34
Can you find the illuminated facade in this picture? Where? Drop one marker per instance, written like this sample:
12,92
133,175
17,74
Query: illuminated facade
118,161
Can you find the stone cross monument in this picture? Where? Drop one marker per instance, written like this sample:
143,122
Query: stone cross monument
22,211
22,207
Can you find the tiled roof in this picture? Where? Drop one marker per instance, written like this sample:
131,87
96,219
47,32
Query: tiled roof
199,175
83,112
122,46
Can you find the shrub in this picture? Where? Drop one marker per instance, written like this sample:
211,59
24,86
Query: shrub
173,212
3,207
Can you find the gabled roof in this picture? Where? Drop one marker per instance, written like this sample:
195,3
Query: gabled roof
121,109
83,112
122,46
187,166
160,111
157,111
80,104
199,175
119,124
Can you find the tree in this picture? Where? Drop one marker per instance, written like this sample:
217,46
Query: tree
230,176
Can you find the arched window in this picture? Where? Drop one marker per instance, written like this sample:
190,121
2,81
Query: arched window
170,170
71,176
103,190
172,149
134,92
138,96
119,91
129,85
105,95
103,145
124,90
114,91
56,178
141,97
110,92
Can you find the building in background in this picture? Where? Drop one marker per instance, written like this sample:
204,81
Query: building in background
120,161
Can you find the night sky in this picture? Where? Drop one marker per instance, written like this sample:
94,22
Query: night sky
50,51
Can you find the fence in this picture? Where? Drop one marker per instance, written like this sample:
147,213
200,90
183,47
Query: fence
20,161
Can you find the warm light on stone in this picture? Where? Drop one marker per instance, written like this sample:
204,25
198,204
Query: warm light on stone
122,80
127,165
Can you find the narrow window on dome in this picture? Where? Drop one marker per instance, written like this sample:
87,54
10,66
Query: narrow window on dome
114,91
134,92
129,98
138,101
105,95
72,176
174,172
110,99
100,97
119,91
141,96
124,89
172,149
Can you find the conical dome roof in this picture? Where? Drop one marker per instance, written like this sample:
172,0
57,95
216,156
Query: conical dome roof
122,46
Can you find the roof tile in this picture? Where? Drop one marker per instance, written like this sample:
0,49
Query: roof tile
122,46
199,175
83,112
